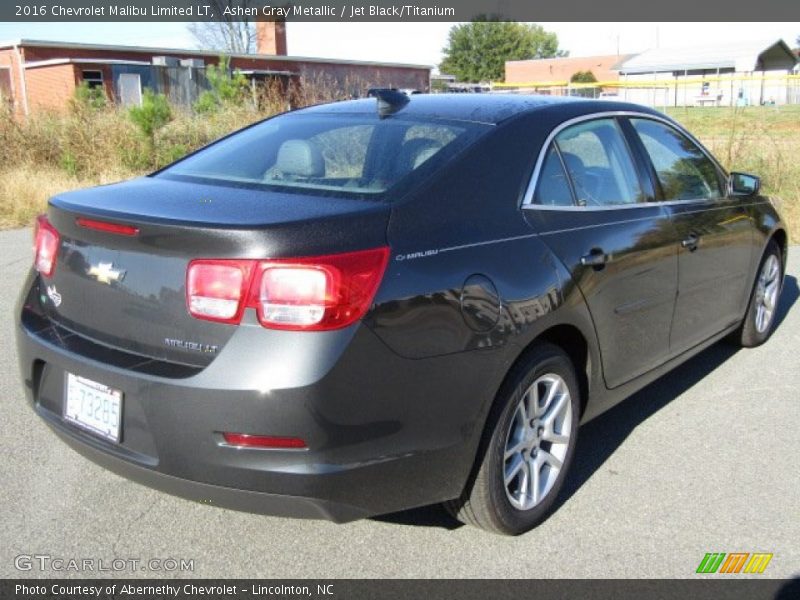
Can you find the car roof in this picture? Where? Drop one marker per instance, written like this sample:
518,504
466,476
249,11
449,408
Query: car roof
481,108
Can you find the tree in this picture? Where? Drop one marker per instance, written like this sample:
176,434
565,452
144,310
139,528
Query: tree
584,77
227,88
229,33
477,51
152,115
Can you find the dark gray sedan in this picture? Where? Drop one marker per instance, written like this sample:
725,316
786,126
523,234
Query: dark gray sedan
368,306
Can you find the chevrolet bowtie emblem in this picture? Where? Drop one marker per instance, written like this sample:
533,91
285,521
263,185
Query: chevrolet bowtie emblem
106,273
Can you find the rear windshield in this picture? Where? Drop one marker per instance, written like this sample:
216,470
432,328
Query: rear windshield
338,154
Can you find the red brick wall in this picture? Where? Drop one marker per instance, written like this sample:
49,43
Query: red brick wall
8,59
358,78
5,84
561,69
50,88
355,78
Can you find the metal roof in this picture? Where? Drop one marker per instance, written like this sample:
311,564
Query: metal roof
214,53
83,61
266,72
745,56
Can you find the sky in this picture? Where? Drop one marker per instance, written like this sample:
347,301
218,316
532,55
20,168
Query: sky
417,43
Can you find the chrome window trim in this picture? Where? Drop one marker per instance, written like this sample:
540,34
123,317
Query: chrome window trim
527,198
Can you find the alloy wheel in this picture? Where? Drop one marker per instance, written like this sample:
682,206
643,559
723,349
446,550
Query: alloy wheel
767,290
537,441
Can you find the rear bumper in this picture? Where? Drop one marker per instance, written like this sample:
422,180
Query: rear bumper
383,433
205,493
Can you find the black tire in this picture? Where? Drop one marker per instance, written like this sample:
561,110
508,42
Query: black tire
485,502
749,334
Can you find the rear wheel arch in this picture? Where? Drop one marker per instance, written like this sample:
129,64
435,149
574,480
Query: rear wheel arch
541,354
574,343
566,337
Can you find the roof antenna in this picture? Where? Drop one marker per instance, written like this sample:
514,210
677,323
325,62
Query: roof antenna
389,102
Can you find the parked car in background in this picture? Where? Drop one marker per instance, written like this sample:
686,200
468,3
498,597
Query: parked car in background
353,309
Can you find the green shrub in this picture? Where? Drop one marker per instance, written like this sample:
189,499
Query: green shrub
69,162
169,154
87,99
583,77
154,113
227,88
207,103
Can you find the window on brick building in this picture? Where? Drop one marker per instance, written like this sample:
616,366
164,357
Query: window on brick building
94,79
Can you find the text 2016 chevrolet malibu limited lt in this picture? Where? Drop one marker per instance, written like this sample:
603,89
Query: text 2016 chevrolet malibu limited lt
373,305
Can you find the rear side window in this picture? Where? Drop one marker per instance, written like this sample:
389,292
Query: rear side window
599,165
553,187
344,154
683,169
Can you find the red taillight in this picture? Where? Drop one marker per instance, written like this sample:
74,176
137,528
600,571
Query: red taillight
295,295
311,294
107,227
215,289
327,292
245,440
45,246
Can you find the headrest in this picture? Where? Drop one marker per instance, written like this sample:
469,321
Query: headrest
300,158
414,152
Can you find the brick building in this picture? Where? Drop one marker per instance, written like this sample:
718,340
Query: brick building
37,75
733,73
549,70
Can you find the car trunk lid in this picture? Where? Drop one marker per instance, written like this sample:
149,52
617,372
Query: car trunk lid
128,291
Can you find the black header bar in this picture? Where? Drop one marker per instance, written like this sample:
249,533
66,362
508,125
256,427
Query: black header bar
397,10
699,588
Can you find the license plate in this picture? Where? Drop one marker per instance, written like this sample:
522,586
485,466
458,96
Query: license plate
93,406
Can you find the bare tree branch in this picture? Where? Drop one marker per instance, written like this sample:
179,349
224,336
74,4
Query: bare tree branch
230,34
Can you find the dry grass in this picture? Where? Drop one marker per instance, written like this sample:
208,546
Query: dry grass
52,153
56,152
24,190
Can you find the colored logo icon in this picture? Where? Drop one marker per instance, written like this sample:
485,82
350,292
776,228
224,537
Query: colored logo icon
734,562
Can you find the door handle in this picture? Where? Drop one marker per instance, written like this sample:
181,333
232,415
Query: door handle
691,242
596,259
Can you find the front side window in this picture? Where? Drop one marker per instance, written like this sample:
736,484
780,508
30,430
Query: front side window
600,168
684,171
343,154
599,164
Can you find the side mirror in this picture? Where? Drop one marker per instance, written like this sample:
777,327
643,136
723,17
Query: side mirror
742,184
